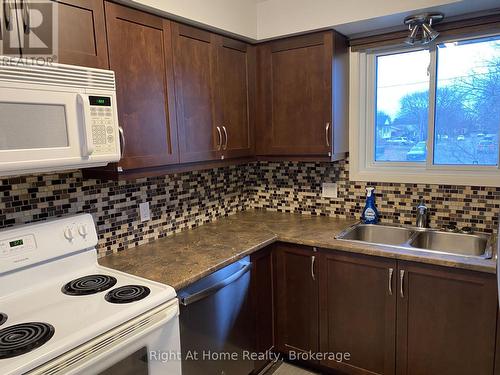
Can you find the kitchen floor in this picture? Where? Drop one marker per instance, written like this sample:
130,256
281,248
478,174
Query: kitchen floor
288,369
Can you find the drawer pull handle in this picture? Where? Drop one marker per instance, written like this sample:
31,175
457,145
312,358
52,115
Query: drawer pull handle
391,271
224,147
7,14
26,16
219,145
401,282
327,134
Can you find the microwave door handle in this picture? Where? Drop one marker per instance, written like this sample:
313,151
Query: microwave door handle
83,100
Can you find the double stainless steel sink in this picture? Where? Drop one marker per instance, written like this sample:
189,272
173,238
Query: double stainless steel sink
473,244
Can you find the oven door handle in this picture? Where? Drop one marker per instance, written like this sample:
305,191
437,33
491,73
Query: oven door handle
192,298
86,356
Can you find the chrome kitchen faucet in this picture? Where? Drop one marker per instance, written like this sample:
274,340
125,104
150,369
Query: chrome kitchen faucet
422,217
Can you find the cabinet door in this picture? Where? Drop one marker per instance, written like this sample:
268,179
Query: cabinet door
294,96
358,312
262,297
497,349
235,66
82,33
194,66
140,54
446,321
9,30
296,301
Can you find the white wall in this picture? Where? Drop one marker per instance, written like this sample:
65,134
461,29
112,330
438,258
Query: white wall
234,16
266,19
279,17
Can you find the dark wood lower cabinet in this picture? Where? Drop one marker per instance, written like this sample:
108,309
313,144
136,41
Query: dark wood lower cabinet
358,312
497,351
296,299
446,321
391,317
262,299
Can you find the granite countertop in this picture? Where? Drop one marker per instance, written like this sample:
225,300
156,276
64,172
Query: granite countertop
186,257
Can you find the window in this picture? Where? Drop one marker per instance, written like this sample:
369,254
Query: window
428,114
467,115
402,107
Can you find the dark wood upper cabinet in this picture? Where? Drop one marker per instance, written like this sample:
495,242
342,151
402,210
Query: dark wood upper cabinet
302,96
140,53
213,78
358,312
446,321
82,33
235,96
194,67
296,299
8,28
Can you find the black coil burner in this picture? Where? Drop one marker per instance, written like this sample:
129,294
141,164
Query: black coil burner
22,338
127,294
88,285
3,318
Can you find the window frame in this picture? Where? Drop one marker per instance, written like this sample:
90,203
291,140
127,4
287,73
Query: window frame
362,114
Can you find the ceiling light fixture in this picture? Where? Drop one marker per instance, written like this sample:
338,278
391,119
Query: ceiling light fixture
420,26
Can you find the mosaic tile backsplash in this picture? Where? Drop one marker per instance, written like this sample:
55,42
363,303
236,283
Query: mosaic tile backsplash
187,200
177,201
296,187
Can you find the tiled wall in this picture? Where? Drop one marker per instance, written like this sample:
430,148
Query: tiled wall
296,187
177,201
186,200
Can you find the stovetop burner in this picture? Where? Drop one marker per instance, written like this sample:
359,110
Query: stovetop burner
3,318
23,338
89,285
127,294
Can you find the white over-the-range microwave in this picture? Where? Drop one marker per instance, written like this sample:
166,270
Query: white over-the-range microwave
55,117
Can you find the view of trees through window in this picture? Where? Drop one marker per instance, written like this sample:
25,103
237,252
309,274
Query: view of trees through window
467,104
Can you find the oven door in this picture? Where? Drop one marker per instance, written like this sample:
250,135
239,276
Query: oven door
43,130
147,345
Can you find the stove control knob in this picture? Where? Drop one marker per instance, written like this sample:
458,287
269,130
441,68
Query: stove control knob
82,230
68,234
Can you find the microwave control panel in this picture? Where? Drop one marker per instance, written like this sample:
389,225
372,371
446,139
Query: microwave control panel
103,124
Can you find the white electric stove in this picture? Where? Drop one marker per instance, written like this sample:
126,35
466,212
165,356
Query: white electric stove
62,313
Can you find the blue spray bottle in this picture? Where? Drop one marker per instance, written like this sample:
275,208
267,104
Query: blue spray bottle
370,213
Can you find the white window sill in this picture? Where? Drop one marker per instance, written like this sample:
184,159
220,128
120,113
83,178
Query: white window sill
431,177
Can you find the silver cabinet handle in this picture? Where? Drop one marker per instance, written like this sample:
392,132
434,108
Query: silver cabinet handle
327,134
219,145
391,271
401,281
7,14
122,141
313,260
26,16
224,147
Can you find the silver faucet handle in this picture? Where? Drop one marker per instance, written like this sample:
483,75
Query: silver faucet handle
422,203
451,228
467,230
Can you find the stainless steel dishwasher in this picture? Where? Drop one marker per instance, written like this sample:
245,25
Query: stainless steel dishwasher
217,323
